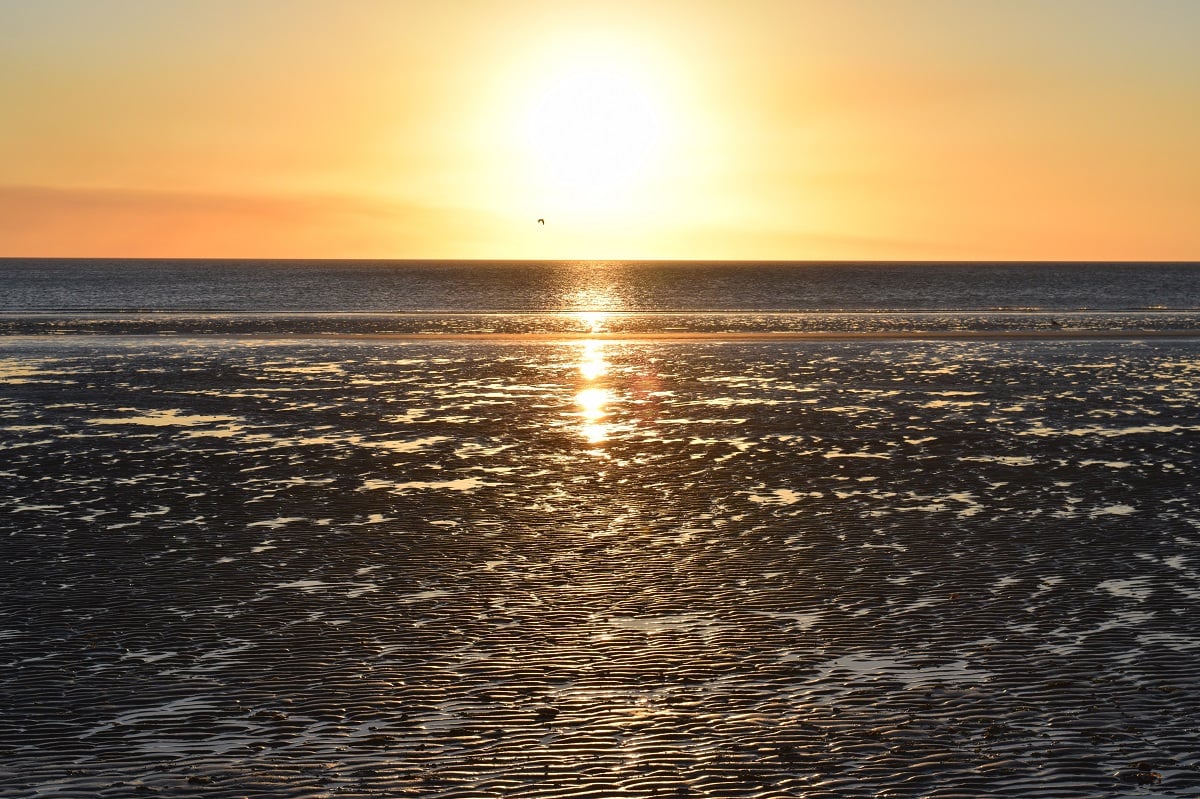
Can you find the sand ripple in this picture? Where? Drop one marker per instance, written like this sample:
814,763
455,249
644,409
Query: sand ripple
818,569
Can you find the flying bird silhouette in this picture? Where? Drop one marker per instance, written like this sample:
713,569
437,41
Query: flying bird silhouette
541,221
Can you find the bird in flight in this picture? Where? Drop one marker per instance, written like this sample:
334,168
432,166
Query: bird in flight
541,221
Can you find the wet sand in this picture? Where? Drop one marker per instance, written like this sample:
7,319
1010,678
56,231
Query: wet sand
491,568
628,326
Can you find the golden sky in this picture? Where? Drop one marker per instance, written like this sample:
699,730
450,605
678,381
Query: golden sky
706,129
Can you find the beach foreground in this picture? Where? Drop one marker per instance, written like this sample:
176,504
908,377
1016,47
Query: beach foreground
323,567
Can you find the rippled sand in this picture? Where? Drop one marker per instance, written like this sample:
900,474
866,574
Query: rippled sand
596,569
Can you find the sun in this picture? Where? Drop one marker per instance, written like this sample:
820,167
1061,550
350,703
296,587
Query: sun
593,128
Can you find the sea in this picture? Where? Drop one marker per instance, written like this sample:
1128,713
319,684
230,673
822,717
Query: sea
530,297
599,529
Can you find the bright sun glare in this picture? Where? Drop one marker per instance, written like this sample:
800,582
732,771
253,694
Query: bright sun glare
594,129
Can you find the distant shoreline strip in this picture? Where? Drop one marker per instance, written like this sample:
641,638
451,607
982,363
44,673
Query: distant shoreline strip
684,336
631,337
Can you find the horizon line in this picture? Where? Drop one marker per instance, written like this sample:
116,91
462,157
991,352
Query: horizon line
764,261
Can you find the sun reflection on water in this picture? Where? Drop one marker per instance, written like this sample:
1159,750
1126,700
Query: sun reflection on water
591,361
592,402
592,321
592,399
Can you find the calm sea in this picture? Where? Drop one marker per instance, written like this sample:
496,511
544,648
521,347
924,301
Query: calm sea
516,297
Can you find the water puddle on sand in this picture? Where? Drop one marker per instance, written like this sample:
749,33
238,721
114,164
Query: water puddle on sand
167,418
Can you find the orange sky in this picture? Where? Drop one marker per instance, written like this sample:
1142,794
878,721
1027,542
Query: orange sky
757,129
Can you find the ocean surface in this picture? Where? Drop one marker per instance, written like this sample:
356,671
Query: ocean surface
645,297
598,530
540,287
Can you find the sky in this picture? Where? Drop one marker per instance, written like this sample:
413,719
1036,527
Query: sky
672,129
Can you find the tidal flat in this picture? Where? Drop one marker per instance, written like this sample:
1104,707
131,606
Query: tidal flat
365,568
